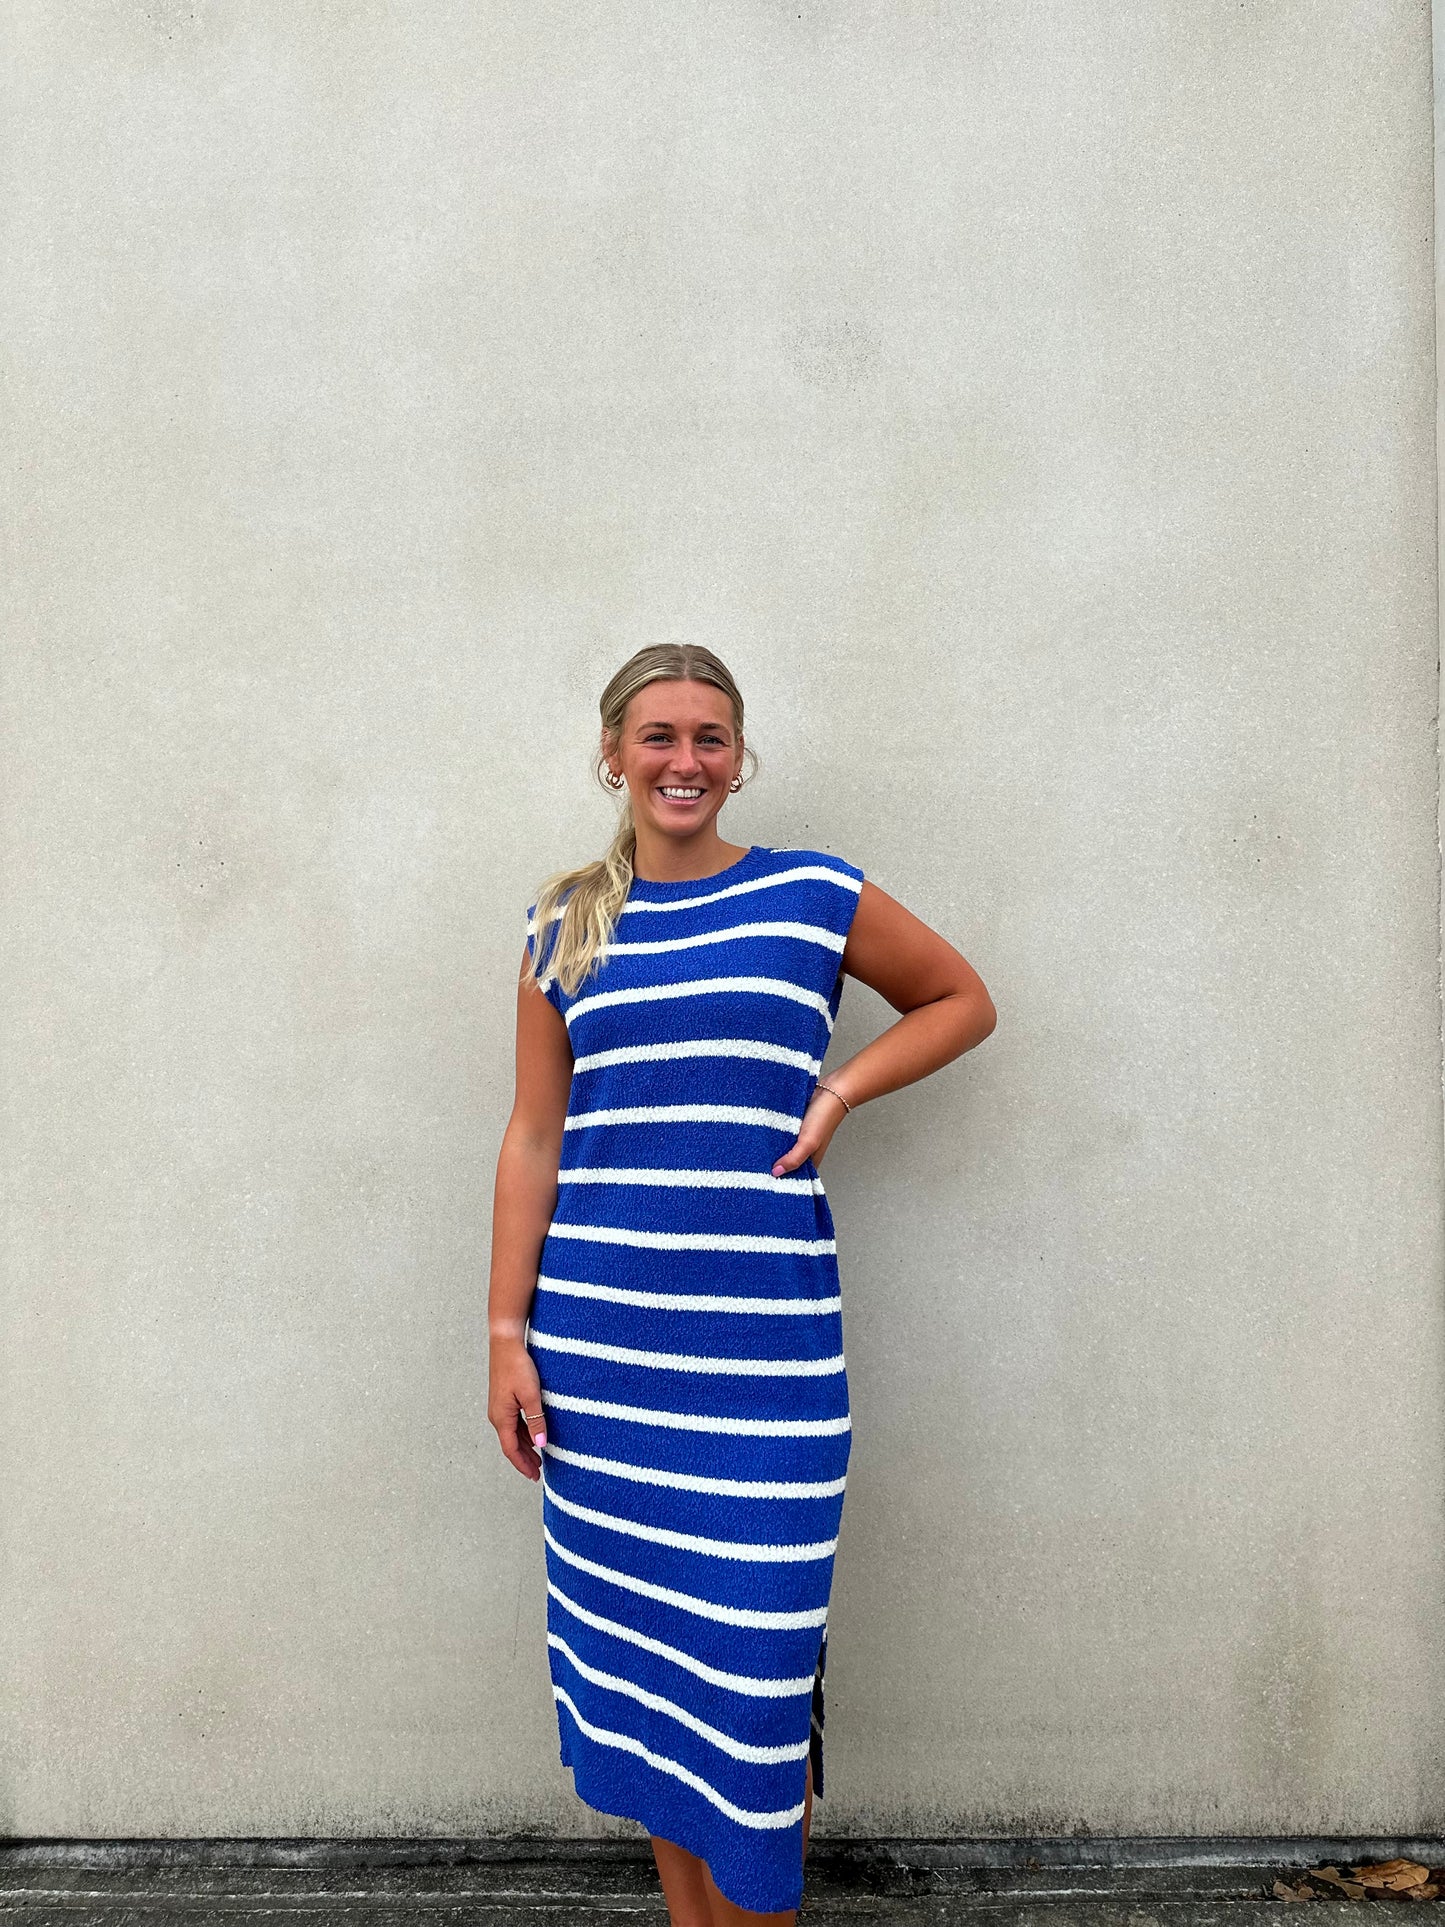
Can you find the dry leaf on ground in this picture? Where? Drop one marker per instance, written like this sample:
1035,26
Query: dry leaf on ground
1335,1878
1395,1875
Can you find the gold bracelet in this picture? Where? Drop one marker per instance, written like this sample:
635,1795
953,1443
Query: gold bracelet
832,1093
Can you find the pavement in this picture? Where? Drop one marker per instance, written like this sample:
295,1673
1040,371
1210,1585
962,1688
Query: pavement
1083,1882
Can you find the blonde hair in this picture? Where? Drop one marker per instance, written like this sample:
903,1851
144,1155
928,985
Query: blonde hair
595,892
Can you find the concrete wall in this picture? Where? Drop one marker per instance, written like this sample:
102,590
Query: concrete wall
1035,406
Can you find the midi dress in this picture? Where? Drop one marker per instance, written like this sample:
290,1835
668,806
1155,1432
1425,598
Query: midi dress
687,1330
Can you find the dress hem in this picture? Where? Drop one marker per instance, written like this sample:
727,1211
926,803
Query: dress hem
618,1808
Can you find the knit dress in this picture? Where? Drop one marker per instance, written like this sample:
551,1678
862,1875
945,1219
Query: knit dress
687,1330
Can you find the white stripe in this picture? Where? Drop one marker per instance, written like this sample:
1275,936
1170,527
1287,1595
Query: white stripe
771,1689
685,1114
694,1180
763,1428
704,1608
690,1362
696,1482
821,871
705,986
697,1047
805,932
739,1749
784,1817
751,1551
691,1301
618,1234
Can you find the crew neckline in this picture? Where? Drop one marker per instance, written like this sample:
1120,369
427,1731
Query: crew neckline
678,884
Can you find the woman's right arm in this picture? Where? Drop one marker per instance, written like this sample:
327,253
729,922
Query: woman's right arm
524,1197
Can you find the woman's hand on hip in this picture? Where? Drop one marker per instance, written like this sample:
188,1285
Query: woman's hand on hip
514,1388
822,1117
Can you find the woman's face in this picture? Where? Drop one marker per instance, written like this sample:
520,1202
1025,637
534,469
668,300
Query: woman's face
678,737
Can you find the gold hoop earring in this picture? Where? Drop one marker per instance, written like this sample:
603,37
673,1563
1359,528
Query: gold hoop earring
736,783
614,781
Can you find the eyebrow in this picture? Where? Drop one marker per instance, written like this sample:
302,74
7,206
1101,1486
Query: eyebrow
662,725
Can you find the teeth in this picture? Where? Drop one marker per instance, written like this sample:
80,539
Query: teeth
681,793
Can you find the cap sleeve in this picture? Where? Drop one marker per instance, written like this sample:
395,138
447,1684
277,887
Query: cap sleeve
848,894
844,897
547,984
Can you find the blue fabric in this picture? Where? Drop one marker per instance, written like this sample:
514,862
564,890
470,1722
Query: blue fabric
697,1447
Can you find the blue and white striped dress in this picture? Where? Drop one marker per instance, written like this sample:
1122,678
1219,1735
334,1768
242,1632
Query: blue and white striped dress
687,1329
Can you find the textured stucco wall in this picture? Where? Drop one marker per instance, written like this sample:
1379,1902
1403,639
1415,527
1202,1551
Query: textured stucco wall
1036,407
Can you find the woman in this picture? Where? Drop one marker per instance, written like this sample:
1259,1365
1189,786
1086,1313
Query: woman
666,1325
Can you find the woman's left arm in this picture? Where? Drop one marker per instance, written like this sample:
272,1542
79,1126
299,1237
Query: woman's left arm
946,1011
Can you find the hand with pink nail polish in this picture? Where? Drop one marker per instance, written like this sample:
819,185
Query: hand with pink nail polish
820,1120
514,1404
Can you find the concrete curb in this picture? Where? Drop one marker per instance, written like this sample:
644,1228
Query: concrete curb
526,1881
